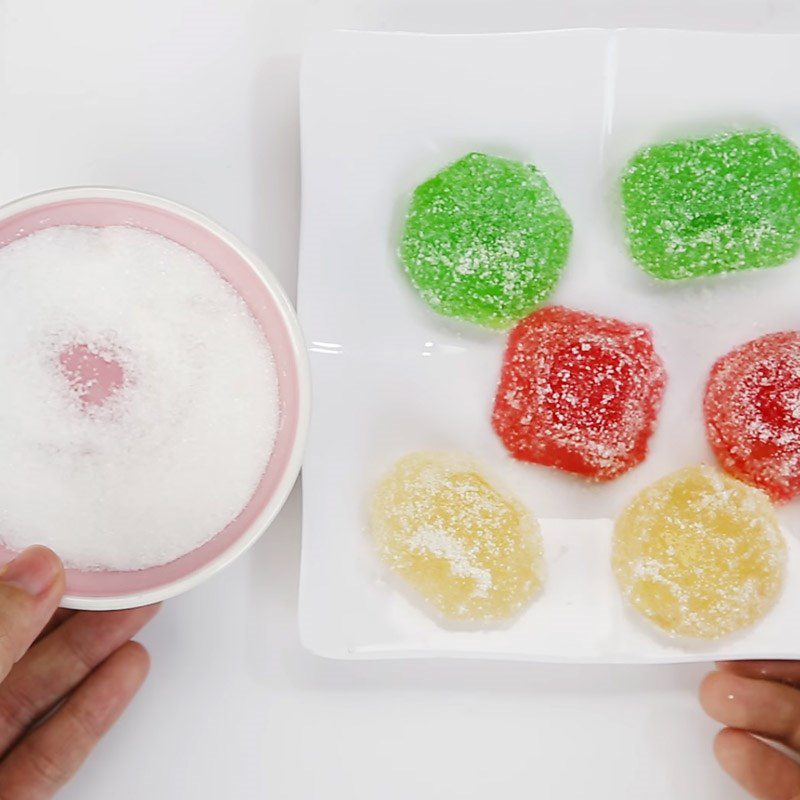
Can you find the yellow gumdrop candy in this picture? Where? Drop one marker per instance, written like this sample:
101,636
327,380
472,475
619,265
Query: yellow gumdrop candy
699,553
469,550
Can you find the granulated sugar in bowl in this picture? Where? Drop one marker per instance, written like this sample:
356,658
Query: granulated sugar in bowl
154,395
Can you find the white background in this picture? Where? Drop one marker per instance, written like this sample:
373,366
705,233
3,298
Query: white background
198,101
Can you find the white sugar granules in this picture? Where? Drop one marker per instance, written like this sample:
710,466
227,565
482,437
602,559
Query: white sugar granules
175,450
463,564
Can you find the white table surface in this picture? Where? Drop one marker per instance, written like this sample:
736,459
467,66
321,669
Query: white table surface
197,100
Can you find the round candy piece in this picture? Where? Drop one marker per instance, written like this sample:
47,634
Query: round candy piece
485,240
720,204
471,551
752,413
578,392
699,554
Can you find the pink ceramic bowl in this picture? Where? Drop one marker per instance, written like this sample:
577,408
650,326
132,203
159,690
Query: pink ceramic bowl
99,206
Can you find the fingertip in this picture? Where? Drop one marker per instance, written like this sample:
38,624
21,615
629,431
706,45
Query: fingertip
45,551
722,695
726,739
130,665
56,565
37,571
49,556
138,659
707,689
786,671
138,652
745,669
728,744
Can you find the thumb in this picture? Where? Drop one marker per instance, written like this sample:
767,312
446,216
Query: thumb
30,589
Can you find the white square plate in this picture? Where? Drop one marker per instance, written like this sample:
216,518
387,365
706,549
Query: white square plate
382,112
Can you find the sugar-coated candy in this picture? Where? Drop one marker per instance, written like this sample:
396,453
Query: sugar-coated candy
578,392
699,554
706,206
752,413
473,552
485,240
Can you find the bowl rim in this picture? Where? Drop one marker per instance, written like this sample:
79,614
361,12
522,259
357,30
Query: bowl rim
301,363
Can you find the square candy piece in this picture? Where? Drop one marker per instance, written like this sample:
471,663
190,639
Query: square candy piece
578,392
752,413
485,240
706,206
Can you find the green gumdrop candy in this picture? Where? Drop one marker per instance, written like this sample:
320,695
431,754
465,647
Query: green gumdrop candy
706,206
485,240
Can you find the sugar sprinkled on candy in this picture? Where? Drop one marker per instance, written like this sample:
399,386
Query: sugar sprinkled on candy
139,397
705,206
752,413
474,553
699,554
578,392
485,240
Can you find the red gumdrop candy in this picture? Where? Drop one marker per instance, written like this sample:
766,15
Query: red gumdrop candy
752,412
579,392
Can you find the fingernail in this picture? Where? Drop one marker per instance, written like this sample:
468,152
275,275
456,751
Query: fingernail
34,571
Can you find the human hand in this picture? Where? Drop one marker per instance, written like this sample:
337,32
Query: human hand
757,698
65,676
